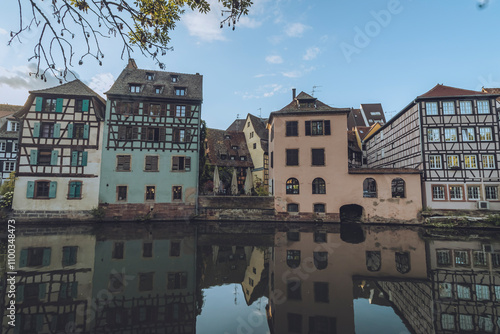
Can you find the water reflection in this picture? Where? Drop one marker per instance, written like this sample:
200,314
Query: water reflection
252,278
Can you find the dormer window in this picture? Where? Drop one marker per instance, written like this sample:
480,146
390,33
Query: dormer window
223,156
227,137
174,78
243,158
135,88
234,147
158,89
12,126
180,91
233,157
150,76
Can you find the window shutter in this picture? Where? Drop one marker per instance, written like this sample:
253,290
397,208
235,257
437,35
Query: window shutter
69,129
136,108
175,163
20,293
146,108
135,132
42,289
53,157
74,289
327,128
187,136
36,130
74,158
188,163
84,158
86,131
122,130
66,250
23,259
144,133
78,194
33,157
39,103
308,128
85,105
9,147
163,134
46,251
57,130
39,322
59,105
53,189
53,322
63,290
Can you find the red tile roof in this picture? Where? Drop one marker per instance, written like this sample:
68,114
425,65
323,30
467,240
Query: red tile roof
447,91
363,131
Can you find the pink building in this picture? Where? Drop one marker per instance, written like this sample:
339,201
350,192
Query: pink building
309,174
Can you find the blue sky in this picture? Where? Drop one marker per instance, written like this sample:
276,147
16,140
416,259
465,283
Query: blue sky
355,52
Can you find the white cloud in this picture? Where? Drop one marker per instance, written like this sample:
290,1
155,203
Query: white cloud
18,77
311,53
205,26
101,83
295,29
3,31
297,73
261,75
246,22
263,92
274,59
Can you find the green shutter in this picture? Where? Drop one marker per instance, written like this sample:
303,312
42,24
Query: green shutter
39,103
57,130
17,329
66,250
85,105
20,293
74,289
42,290
36,130
33,157
39,322
74,158
30,190
53,189
71,194
53,157
69,129
84,158
53,323
23,259
59,105
74,249
63,291
85,131
46,252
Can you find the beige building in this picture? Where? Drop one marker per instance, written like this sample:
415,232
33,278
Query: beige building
256,136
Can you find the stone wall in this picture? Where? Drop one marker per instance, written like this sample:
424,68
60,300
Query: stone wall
236,208
148,211
51,216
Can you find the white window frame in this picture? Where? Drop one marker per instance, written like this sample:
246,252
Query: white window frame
448,108
15,146
431,108
485,134
470,161
433,135
453,161
483,107
11,164
450,134
473,193
435,162
3,146
491,192
466,106
438,193
467,133
456,193
488,161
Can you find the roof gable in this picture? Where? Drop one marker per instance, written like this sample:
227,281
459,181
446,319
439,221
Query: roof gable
447,91
72,88
259,125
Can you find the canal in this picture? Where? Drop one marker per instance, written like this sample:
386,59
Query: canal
210,277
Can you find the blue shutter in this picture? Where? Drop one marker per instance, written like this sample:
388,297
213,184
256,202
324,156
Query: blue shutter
66,250
30,189
63,291
39,322
70,130
57,130
74,289
33,157
53,157
84,158
85,105
36,130
39,103
23,260
53,323
86,131
19,294
46,255
42,289
74,158
59,105
53,189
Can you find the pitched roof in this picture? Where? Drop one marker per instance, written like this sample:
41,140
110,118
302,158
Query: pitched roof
7,134
355,119
237,125
363,131
222,142
72,88
132,75
491,90
374,112
8,109
447,91
259,125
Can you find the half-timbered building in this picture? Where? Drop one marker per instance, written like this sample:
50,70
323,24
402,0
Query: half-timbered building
9,132
452,136
59,150
151,143
257,137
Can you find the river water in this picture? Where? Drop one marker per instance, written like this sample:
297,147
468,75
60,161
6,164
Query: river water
210,277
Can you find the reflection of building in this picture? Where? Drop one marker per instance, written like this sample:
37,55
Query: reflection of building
54,280
145,280
314,276
255,283
466,284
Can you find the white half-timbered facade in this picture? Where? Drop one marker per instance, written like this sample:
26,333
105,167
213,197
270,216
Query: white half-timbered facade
9,132
452,136
59,149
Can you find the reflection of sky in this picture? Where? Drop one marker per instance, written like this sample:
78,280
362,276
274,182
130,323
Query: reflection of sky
225,311
371,318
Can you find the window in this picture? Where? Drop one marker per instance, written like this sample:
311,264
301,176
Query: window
177,193
485,134
158,89
468,134
174,78
177,280
49,105
463,292
448,320
322,324
398,188
180,111
128,132
456,193
373,260
317,128
15,147
135,88
254,146
444,290
69,255
435,162
491,192
181,136
123,163
34,257
485,323
293,258
150,76
116,281
151,163
147,249
68,290
319,208
369,188
9,166
321,294
42,189
318,156
461,258
433,135
3,146
44,157
293,235
175,248
319,237
293,290
470,161
292,186
78,130
465,321
79,158
431,108
75,189
473,193
294,322
150,193
292,207
443,257
180,91
47,130
480,259
318,186
153,134
488,161
121,193
403,262
465,107
292,157
450,134
448,108
292,129
145,281
453,162
117,253
155,109
483,107
12,126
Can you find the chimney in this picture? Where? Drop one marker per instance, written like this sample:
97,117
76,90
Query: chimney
131,64
294,91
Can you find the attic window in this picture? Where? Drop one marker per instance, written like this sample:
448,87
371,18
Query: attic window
150,76
174,78
158,89
233,157
135,88
375,113
227,137
180,91
223,156
243,158
234,147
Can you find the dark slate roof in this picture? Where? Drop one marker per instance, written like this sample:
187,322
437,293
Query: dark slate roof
132,75
355,119
265,145
8,109
72,88
237,125
306,103
369,109
259,125
447,91
8,134
218,144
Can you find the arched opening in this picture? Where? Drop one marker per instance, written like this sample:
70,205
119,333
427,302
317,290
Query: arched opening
350,229
351,213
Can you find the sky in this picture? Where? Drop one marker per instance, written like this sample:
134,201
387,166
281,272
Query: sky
344,52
